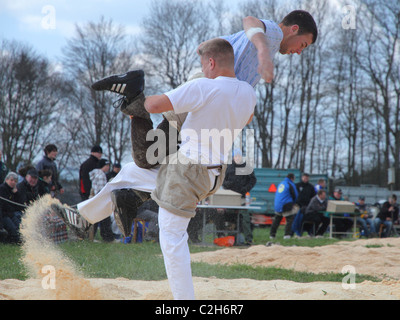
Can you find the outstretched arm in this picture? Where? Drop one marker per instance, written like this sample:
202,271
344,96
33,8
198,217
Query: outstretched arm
266,67
158,104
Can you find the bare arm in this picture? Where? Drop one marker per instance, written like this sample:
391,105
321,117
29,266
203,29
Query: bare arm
266,66
158,104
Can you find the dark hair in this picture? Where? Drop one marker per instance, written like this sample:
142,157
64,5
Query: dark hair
45,173
290,176
49,148
96,148
321,191
305,22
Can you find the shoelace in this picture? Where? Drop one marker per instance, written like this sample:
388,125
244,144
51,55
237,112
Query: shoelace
117,104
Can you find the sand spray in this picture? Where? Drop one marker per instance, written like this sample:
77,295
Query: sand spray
44,260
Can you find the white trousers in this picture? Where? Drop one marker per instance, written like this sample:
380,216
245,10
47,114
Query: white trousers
131,176
175,248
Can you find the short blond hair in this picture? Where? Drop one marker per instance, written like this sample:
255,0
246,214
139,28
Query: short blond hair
218,49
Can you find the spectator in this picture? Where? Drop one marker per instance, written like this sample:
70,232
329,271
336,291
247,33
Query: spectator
313,213
306,193
91,163
3,169
237,179
365,219
45,182
29,187
148,211
114,172
55,228
285,206
341,224
321,185
48,163
10,212
388,213
99,179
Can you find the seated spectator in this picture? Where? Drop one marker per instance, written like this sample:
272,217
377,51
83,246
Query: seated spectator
342,225
10,210
29,188
365,219
239,180
313,212
321,185
148,211
45,182
388,213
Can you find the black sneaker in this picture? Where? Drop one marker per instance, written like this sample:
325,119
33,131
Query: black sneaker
125,203
129,84
72,219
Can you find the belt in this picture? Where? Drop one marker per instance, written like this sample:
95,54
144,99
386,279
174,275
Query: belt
215,167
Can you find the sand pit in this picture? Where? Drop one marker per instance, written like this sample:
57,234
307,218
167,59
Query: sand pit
377,257
213,289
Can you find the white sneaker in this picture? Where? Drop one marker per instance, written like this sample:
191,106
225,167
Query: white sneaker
286,237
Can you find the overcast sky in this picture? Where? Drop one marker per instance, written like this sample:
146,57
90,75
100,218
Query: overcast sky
45,24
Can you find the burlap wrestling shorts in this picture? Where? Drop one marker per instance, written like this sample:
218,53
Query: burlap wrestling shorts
182,184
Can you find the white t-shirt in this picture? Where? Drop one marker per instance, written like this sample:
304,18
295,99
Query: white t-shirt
246,60
218,109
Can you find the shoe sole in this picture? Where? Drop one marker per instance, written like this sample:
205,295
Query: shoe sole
117,83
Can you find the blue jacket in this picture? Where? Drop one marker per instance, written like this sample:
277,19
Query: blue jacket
285,196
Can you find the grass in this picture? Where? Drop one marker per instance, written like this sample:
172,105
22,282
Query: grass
144,262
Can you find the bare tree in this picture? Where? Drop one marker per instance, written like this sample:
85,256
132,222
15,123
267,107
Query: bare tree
29,95
97,50
171,34
381,22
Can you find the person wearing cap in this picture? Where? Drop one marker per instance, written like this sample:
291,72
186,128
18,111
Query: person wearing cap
341,225
29,187
365,219
99,180
91,163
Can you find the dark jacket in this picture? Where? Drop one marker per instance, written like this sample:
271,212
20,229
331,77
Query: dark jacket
7,208
315,206
306,193
49,164
3,171
84,179
385,213
28,193
238,183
